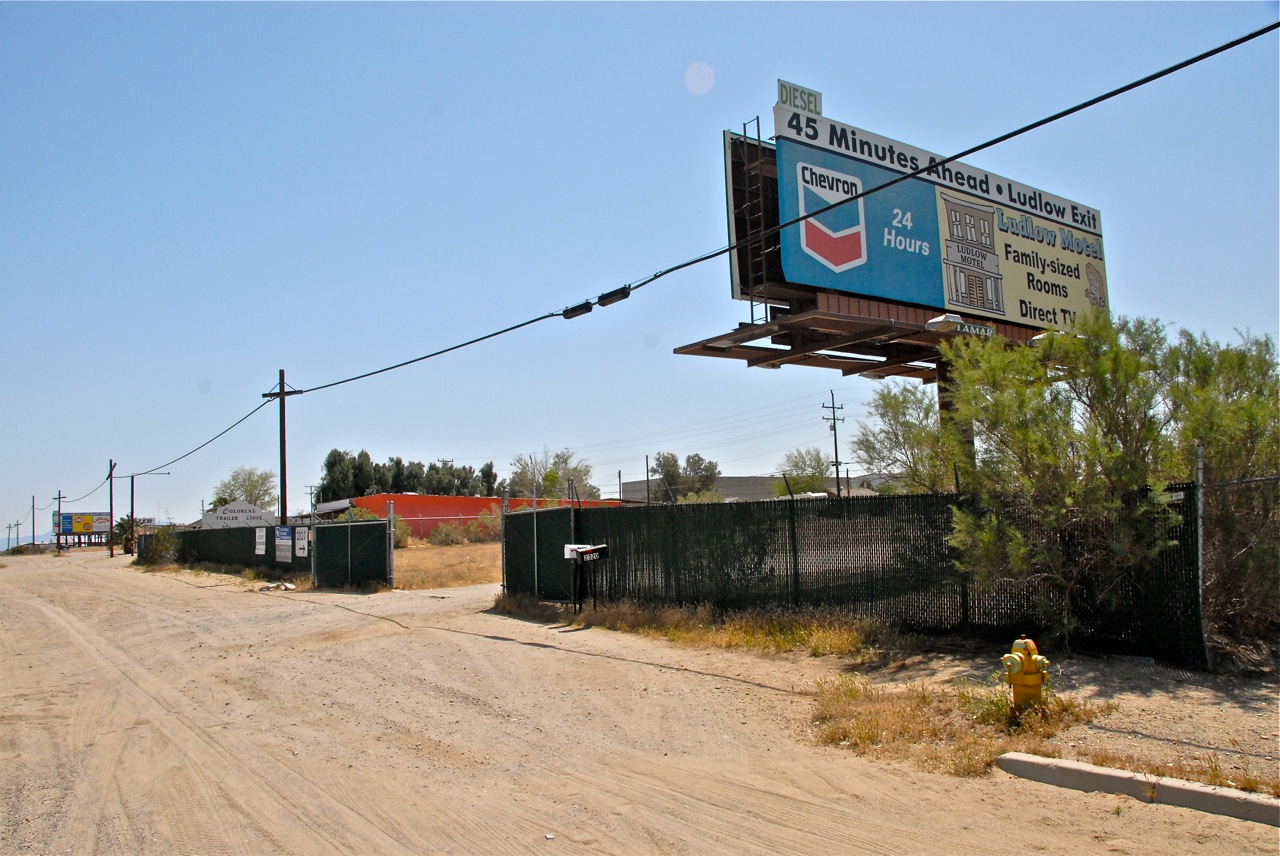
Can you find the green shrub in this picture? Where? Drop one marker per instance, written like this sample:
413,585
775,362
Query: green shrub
447,535
487,527
402,533
161,548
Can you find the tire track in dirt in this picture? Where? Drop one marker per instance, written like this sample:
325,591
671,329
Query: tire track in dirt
784,818
269,790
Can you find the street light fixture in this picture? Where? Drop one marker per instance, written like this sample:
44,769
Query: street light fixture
943,323
579,310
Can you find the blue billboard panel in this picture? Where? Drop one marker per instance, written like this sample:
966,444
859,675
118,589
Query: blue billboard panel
884,245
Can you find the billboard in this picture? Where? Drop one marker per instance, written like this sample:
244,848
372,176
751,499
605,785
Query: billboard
956,238
90,523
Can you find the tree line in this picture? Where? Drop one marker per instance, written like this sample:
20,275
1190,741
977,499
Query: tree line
345,476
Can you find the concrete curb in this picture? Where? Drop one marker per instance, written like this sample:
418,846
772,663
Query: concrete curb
1087,777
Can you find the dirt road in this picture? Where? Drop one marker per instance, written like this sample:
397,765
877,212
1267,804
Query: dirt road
189,714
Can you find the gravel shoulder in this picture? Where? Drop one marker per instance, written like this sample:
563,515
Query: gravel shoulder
185,713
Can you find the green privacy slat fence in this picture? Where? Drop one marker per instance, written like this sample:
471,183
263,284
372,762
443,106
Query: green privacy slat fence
235,546
523,565
884,557
353,555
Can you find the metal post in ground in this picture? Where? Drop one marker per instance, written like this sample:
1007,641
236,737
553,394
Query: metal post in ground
535,542
1200,546
391,544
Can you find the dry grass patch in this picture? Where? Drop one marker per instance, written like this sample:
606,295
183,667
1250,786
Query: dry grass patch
815,631
234,573
426,566
958,728
1206,769
529,607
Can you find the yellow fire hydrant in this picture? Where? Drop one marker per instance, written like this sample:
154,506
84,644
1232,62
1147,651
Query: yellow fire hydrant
1026,671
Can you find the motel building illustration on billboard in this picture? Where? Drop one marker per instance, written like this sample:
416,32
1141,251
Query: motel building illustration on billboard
970,266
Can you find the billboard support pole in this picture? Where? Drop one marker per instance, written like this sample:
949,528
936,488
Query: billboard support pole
946,411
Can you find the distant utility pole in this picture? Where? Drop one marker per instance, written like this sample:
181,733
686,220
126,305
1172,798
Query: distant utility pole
58,527
8,535
835,435
111,508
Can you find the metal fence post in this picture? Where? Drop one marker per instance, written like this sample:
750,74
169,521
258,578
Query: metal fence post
391,543
536,593
503,508
1200,547
795,544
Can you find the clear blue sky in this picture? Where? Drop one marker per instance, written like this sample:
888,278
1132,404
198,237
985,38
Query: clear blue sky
193,197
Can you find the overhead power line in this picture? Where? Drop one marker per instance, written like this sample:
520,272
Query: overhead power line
89,494
624,291
206,442
1040,123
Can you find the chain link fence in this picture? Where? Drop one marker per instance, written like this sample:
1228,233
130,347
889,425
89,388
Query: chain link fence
883,557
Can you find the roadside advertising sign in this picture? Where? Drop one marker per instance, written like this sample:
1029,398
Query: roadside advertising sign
90,523
956,238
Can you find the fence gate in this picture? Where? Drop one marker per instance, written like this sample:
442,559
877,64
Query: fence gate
353,555
533,559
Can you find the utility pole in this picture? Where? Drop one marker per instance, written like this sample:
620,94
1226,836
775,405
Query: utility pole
282,394
18,529
835,435
33,520
111,508
57,537
8,535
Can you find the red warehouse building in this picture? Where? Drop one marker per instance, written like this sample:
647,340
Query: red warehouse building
425,513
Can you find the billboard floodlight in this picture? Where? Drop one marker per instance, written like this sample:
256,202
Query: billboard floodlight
950,321
611,297
581,309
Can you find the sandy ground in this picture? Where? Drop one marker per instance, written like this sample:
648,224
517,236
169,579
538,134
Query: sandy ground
190,714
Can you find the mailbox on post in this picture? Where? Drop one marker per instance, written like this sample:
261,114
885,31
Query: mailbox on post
580,555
